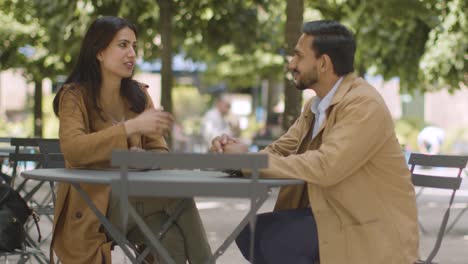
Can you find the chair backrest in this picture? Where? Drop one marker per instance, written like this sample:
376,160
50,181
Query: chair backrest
440,182
444,161
52,154
27,149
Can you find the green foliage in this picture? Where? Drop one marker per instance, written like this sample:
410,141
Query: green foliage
407,131
28,41
444,63
456,141
21,128
189,107
243,67
390,34
242,41
50,121
423,42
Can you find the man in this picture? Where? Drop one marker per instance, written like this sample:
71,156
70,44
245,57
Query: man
357,205
430,140
215,121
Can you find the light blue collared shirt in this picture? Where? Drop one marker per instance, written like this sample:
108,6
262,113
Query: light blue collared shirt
319,107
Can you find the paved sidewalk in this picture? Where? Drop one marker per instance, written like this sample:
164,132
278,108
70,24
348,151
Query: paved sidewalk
221,215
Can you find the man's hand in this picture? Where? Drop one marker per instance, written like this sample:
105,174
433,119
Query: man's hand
219,143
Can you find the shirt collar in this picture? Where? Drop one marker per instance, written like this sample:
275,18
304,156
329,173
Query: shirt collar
320,105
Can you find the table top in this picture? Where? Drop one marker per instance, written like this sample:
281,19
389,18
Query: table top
107,176
166,183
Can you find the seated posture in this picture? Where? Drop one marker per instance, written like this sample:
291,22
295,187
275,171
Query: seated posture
357,205
101,108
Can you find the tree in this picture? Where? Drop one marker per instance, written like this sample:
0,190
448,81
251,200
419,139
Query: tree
264,61
26,47
64,23
421,42
444,63
293,97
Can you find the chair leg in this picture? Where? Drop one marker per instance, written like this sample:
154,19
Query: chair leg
421,227
459,215
419,192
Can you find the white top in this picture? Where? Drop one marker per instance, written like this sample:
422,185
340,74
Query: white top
319,107
213,125
432,135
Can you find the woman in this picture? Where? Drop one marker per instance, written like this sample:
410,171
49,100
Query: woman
101,108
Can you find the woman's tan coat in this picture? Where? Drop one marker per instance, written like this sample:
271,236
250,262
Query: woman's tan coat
358,183
87,142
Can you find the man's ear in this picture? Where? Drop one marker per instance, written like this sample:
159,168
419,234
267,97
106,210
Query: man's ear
325,63
99,56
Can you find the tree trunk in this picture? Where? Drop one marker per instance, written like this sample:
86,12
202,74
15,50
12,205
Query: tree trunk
165,25
293,97
38,108
361,70
273,97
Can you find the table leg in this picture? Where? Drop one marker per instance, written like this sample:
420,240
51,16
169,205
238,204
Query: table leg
263,195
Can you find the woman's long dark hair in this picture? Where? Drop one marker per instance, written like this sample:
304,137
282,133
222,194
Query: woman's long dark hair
87,71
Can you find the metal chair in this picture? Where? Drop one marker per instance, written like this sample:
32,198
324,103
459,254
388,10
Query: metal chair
439,182
460,214
26,150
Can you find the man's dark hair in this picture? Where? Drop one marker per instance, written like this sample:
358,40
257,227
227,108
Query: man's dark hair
335,40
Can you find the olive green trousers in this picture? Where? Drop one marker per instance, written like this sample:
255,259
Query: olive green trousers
185,240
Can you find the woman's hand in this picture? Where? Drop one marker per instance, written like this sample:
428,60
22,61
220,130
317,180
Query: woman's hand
151,121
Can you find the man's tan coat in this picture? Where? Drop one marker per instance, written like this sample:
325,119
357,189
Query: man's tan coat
357,181
87,142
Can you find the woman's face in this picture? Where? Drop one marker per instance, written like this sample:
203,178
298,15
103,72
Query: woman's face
118,58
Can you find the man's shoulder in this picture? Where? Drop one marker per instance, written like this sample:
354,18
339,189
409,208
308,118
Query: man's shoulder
363,91
211,113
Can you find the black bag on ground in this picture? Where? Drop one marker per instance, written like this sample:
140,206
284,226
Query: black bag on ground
14,212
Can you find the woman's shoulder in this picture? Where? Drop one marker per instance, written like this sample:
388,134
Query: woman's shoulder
75,89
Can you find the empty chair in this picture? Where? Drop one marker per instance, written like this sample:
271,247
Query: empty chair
439,182
27,150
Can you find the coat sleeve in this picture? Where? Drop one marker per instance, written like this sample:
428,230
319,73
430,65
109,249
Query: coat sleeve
288,143
361,128
80,147
154,141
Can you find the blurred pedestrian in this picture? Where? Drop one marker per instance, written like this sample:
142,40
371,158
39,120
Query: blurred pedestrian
217,121
430,140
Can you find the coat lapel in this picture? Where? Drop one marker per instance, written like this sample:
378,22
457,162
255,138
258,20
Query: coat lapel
340,93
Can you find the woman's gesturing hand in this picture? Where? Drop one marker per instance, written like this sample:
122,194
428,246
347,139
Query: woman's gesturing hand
149,122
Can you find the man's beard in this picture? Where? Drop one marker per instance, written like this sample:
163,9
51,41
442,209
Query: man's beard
301,85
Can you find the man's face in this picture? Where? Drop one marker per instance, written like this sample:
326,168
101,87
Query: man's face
223,106
303,65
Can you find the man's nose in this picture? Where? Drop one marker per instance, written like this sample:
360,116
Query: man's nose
291,65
